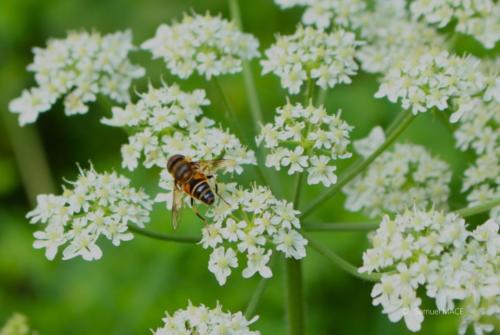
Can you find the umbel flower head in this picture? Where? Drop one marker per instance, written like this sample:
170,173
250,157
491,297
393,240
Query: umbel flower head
167,121
209,45
404,176
252,222
482,180
382,29
435,251
78,67
324,13
431,79
476,18
306,138
201,320
17,324
95,205
310,54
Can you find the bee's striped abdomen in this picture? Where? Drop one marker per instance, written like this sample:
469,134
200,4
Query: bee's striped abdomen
201,190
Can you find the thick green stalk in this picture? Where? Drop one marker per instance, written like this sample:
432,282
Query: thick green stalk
340,262
163,237
294,297
30,158
251,90
352,173
485,206
341,226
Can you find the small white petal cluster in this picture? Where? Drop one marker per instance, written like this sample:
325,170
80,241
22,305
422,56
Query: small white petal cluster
383,27
479,18
17,324
482,179
306,138
78,67
252,222
201,320
430,78
209,45
435,251
96,204
167,121
312,55
324,13
404,176
479,130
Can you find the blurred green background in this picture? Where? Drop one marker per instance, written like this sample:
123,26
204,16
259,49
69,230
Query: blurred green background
128,290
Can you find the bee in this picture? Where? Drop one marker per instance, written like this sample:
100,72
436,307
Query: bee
191,178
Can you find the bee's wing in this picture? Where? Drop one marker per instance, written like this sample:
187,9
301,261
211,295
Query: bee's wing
210,167
177,195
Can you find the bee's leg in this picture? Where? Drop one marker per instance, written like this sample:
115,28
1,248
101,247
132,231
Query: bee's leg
195,209
220,196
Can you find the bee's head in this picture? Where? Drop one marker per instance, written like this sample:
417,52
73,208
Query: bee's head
172,160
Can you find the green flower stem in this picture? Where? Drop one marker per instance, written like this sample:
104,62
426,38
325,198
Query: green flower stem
321,98
298,186
294,296
341,226
30,158
229,111
340,262
352,173
253,98
163,237
254,300
485,206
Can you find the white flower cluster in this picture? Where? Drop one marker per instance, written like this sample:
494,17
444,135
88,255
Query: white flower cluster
479,130
208,45
404,176
383,27
436,251
201,320
17,324
430,78
324,13
482,179
78,67
97,204
306,138
168,121
252,222
478,18
312,55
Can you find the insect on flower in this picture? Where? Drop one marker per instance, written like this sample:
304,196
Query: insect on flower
191,178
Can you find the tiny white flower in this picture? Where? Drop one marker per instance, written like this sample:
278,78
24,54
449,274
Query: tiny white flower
221,262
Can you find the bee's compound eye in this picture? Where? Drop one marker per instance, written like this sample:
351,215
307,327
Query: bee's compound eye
172,160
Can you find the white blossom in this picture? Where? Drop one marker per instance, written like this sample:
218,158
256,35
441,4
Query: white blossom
78,68
167,121
383,27
324,13
431,78
205,321
312,55
404,176
478,18
209,45
459,267
254,223
96,204
306,139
